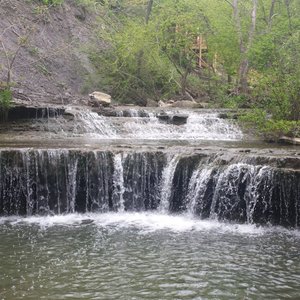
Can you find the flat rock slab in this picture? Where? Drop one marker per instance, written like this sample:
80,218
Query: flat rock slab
288,140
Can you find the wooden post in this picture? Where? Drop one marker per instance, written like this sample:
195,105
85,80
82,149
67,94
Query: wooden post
200,51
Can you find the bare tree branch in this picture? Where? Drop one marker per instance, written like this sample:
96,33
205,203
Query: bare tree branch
227,1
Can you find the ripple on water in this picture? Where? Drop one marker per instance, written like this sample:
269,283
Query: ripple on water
145,256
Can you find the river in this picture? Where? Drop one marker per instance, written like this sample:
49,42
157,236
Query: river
136,207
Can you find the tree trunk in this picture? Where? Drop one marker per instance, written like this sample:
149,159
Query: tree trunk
243,75
288,10
184,81
141,53
271,13
149,10
244,46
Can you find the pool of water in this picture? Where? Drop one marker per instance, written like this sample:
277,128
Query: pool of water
145,256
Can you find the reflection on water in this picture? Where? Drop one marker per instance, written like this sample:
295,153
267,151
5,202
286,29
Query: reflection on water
145,256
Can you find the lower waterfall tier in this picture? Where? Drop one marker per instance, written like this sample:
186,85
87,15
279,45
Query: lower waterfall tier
240,188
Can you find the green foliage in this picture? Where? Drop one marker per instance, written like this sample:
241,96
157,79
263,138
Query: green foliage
89,3
255,118
157,59
274,129
271,129
133,66
235,101
5,99
51,2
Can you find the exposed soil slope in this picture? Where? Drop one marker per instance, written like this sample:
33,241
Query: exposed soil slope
52,66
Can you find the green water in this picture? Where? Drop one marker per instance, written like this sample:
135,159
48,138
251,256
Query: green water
145,256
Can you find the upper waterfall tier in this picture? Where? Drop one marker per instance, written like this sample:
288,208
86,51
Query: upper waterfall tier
159,125
135,124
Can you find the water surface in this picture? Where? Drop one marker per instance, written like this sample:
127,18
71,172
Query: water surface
145,256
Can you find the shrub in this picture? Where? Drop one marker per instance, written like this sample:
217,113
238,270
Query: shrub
271,129
5,99
51,2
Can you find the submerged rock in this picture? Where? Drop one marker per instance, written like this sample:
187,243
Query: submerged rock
177,119
163,117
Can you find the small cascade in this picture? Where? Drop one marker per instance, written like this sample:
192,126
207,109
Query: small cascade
166,182
118,183
132,124
133,113
211,127
71,184
92,123
197,188
199,126
260,178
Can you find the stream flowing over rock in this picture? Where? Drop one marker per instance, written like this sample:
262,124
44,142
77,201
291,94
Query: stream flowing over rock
135,160
241,188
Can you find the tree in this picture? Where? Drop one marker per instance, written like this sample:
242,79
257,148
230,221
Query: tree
245,38
12,55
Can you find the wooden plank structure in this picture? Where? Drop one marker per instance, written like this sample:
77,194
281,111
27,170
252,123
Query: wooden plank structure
201,50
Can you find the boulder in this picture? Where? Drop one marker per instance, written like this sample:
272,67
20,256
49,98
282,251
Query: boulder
151,103
163,104
179,119
290,140
163,117
106,111
99,99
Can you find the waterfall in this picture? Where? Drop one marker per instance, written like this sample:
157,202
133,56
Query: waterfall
197,188
118,183
209,126
71,184
90,122
260,178
243,189
166,182
132,124
199,126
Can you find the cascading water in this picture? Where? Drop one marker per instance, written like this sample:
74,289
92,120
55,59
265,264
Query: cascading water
54,181
199,126
133,124
166,182
92,123
144,197
197,188
118,183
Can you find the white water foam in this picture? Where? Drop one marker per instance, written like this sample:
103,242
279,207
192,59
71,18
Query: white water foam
146,222
166,182
197,188
118,183
199,126
91,123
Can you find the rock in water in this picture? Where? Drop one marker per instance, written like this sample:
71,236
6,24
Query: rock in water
179,119
98,98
